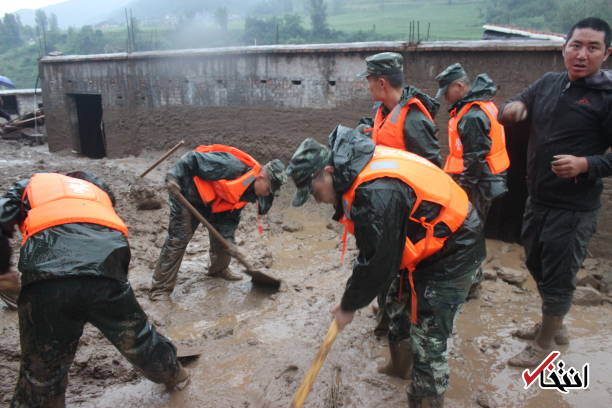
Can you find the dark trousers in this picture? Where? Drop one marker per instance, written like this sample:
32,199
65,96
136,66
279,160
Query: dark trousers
52,314
555,242
180,231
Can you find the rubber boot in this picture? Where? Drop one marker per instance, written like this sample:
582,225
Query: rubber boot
180,381
400,360
535,353
429,402
219,262
530,333
382,327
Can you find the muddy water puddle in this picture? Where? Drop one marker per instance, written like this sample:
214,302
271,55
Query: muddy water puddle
257,344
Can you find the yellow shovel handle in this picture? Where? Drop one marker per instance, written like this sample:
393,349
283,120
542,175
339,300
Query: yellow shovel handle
311,375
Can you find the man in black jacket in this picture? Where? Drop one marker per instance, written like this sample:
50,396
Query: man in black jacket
74,272
381,214
570,116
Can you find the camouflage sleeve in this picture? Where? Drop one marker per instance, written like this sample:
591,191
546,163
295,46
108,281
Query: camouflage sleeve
12,207
474,130
11,213
420,137
208,166
379,214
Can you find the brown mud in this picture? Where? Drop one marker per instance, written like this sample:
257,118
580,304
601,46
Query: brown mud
258,344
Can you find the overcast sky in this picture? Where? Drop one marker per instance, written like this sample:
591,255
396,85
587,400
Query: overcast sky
7,6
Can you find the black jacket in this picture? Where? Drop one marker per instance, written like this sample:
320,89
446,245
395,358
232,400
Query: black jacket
568,118
77,249
379,213
473,129
420,133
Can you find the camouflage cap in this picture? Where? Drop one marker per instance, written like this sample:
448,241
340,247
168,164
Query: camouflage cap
275,169
385,63
307,161
448,76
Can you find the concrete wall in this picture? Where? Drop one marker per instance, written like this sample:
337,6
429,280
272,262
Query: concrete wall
27,99
266,99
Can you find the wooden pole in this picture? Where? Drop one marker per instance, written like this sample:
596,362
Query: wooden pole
311,375
164,157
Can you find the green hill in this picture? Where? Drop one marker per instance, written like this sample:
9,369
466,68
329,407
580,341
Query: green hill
449,19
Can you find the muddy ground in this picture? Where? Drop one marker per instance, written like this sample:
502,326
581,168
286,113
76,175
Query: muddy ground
259,344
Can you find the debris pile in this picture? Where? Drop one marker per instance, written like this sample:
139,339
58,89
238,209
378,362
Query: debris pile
28,127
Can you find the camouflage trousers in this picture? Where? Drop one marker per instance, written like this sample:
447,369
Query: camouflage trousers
52,314
438,304
180,231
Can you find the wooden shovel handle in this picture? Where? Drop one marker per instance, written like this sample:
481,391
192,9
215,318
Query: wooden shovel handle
231,248
164,157
311,375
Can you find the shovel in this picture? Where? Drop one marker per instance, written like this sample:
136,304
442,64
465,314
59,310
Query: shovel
311,375
164,157
257,276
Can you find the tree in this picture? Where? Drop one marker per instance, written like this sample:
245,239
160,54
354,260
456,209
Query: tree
41,20
570,12
221,17
318,18
11,31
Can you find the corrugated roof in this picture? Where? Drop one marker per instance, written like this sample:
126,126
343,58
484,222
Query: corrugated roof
20,91
539,35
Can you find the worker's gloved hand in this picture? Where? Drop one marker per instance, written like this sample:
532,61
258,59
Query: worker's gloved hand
342,317
173,185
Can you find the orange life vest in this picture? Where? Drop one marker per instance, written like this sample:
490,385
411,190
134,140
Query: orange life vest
430,184
56,199
497,158
225,194
389,130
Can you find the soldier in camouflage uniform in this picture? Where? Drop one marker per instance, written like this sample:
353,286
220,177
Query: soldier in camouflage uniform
381,225
395,105
473,126
75,273
209,166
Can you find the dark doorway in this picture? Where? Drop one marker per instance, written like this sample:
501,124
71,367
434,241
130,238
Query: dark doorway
91,131
9,104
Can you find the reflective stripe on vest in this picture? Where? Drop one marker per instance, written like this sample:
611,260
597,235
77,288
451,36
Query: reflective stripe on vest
389,130
497,158
430,184
224,195
56,199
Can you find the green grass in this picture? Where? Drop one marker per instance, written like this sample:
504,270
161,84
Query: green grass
458,21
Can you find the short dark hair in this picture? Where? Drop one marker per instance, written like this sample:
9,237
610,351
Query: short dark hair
396,80
593,23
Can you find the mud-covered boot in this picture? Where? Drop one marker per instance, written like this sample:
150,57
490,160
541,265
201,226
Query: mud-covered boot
400,360
226,274
159,295
530,333
534,353
429,402
382,327
474,292
180,381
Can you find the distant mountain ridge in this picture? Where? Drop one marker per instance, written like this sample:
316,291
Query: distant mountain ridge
75,13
